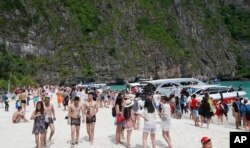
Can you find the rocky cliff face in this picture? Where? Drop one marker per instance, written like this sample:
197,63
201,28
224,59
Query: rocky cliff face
107,39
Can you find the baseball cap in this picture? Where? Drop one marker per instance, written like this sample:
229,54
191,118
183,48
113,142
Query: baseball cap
205,140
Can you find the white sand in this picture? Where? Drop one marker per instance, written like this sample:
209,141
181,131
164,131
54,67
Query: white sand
184,134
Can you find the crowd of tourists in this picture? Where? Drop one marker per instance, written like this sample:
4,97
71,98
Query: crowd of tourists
82,105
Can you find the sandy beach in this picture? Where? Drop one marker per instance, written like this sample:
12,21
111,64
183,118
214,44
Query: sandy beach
183,132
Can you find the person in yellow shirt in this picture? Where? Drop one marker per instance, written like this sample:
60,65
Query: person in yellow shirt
211,103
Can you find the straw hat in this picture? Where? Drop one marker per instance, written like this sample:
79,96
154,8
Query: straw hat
218,102
128,103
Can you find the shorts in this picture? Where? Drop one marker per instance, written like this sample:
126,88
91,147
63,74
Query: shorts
35,99
149,128
91,120
195,113
23,101
47,123
75,121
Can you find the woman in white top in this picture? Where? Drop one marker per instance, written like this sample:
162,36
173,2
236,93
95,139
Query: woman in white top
165,115
149,116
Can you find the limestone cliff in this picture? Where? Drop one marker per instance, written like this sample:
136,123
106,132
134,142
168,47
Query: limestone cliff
69,40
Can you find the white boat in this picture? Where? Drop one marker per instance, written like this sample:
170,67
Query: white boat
217,92
169,86
93,85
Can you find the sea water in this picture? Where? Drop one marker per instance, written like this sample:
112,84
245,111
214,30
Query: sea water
235,84
244,84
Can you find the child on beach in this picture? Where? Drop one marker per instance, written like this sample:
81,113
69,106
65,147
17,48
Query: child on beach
166,119
39,124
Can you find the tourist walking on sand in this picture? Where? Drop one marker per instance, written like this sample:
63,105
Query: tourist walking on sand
236,112
6,101
18,116
59,98
22,98
243,113
166,119
178,113
129,117
49,118
247,114
136,107
119,120
195,108
90,108
210,101
39,124
74,119
183,103
65,96
149,116
35,94
219,112
205,111
157,99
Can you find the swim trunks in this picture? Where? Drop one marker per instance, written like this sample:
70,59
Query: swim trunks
23,101
91,120
48,121
75,121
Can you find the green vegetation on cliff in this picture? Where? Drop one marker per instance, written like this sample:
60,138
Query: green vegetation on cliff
107,40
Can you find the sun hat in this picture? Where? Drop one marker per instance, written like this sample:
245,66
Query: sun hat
205,139
128,103
218,102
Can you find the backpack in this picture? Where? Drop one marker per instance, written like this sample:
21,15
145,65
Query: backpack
247,112
135,106
222,109
113,112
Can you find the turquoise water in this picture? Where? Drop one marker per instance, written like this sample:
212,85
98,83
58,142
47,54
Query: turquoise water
245,85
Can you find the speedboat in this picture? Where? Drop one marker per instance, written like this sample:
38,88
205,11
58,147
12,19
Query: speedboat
172,86
217,93
92,85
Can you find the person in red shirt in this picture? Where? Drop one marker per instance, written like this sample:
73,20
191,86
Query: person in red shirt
195,108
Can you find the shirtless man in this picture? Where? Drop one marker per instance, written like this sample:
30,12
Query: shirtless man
18,116
90,108
74,119
49,118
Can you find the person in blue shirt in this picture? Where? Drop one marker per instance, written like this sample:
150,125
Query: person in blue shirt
6,101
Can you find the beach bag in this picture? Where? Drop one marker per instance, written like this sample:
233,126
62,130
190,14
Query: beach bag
135,106
247,112
120,118
113,112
